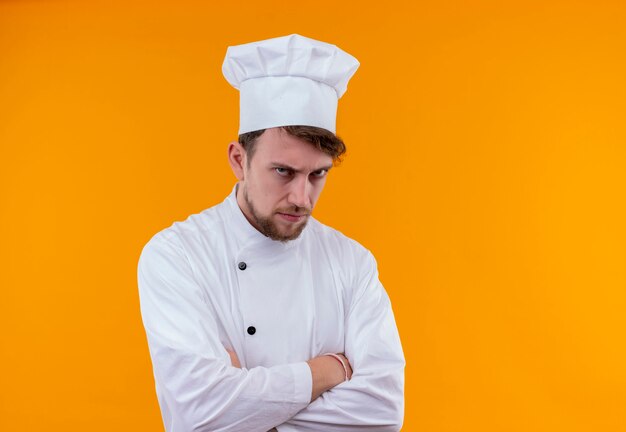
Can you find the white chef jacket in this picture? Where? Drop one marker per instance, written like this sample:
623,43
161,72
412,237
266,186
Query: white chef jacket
213,282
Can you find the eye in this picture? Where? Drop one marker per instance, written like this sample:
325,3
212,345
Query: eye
319,173
283,172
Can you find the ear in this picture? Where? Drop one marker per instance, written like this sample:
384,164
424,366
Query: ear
237,159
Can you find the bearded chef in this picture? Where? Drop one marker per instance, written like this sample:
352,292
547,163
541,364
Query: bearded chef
259,317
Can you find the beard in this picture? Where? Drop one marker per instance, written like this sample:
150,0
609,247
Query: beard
269,228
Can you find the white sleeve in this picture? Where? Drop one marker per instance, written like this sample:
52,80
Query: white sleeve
374,398
197,388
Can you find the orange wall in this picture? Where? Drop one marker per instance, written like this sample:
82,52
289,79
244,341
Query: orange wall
486,171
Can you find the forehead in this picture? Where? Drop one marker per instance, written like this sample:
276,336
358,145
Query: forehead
276,145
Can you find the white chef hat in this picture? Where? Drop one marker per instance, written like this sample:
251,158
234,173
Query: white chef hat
290,80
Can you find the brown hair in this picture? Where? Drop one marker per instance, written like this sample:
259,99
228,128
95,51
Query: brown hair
322,139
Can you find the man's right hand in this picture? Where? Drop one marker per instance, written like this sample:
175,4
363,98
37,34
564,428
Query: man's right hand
327,372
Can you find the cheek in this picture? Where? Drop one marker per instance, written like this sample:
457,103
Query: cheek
268,191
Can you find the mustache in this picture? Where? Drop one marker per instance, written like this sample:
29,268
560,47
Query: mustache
298,211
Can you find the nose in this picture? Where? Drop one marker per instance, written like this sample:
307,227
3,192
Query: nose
299,191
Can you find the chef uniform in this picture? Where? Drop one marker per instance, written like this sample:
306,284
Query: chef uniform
214,282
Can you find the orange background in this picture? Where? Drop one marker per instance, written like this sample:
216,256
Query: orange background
486,170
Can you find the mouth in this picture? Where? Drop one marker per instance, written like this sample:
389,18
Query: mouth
290,217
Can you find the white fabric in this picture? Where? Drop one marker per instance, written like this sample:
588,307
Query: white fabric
319,293
290,80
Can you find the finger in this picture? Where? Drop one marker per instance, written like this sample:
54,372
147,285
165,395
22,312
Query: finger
233,358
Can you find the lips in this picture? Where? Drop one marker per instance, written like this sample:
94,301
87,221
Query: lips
292,217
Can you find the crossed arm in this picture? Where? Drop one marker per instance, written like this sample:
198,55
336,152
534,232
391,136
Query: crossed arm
200,390
326,372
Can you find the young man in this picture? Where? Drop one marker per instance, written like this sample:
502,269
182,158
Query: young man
257,315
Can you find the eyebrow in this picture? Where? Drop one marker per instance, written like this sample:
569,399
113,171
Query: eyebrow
282,165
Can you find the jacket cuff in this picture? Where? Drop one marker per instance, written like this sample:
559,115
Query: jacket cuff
303,382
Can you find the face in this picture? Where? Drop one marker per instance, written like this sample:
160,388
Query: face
280,184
